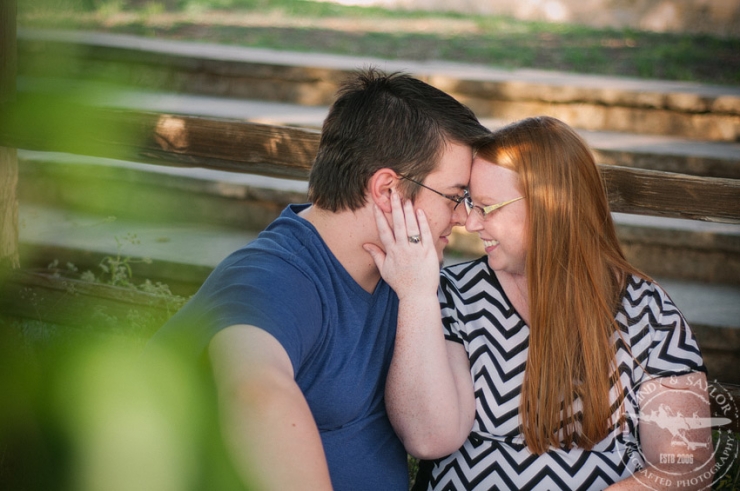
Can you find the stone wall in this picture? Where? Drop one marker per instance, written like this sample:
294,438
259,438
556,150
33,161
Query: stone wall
717,17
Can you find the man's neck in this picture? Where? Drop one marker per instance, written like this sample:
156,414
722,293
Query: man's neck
344,233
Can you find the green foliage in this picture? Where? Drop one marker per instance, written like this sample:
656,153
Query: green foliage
413,466
116,270
730,481
89,413
134,322
110,7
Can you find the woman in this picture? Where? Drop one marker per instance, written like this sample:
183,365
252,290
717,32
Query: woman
554,356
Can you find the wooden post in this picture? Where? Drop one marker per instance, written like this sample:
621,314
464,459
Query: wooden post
8,156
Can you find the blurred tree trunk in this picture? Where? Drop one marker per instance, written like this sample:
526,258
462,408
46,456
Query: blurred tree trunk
8,156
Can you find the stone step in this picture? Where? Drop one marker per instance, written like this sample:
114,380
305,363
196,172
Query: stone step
681,249
181,255
669,248
597,103
204,245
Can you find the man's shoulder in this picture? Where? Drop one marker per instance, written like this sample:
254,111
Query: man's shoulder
286,239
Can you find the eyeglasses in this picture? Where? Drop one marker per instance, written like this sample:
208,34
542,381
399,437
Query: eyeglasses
456,199
484,211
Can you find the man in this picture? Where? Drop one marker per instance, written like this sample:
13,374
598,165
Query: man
299,327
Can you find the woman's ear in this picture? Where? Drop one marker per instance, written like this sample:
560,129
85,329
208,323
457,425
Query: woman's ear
381,185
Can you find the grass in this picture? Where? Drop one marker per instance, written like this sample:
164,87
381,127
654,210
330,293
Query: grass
301,25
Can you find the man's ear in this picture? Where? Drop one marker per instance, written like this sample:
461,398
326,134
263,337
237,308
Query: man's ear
380,187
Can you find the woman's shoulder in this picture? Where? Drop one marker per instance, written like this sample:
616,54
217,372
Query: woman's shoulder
656,331
647,308
639,290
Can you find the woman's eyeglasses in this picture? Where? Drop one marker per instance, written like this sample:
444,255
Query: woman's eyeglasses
484,211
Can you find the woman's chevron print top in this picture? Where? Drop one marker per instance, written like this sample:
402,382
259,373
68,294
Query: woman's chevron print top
477,314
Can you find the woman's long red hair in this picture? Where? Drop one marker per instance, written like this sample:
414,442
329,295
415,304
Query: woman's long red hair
576,272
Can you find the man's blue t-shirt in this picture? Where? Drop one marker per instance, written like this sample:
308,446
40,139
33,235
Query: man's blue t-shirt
338,336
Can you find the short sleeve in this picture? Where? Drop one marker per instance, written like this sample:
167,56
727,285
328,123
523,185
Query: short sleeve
273,295
255,289
673,347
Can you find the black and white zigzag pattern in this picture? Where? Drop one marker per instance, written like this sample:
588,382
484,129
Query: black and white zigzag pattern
477,313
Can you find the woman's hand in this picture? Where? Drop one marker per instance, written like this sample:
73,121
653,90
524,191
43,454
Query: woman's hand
429,391
409,261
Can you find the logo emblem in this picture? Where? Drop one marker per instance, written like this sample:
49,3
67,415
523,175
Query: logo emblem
689,448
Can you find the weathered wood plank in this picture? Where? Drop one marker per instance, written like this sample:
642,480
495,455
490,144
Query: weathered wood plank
231,145
278,151
83,304
8,156
667,194
8,208
165,139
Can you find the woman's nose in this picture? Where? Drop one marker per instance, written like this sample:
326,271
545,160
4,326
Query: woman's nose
473,223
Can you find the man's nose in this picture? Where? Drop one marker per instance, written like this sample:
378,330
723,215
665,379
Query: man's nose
459,215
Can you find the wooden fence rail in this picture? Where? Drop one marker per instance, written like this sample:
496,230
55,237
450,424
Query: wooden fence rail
238,146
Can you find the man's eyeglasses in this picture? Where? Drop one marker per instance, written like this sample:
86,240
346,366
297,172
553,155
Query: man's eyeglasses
456,199
484,211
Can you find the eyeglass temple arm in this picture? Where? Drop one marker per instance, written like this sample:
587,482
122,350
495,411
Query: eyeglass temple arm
489,209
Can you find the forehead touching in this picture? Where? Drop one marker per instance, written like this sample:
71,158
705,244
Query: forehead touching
491,180
453,167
